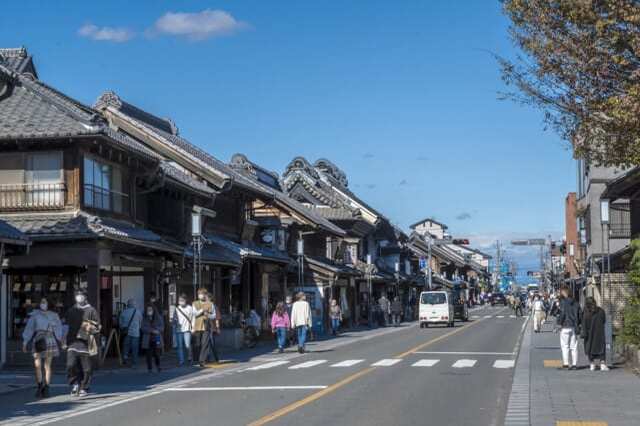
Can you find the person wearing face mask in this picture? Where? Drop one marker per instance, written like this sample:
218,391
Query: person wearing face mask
130,321
84,326
152,336
203,309
183,321
41,336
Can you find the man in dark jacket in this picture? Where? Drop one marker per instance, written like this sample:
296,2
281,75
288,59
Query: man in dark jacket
84,325
569,324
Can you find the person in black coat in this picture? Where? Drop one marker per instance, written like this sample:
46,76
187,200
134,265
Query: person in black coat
593,322
82,343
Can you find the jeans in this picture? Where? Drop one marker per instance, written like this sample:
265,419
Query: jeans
131,344
281,334
183,341
302,335
79,369
335,325
569,345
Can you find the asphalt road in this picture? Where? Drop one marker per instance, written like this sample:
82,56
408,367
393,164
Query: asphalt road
451,376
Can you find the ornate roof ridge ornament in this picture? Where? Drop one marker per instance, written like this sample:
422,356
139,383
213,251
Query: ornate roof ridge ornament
108,98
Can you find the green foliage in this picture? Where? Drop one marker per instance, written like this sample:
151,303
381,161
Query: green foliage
631,326
580,65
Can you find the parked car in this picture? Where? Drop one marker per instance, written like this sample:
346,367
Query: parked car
498,298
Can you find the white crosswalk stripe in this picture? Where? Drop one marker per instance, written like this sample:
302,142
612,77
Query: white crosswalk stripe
426,363
464,363
308,364
500,316
386,362
348,363
504,363
487,316
268,365
475,316
512,316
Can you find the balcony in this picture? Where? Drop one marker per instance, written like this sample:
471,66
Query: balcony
32,196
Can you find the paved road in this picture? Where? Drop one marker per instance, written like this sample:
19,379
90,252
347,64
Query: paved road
456,376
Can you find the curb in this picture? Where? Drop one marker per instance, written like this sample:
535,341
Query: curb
519,407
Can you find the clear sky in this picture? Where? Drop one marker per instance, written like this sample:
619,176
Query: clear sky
403,96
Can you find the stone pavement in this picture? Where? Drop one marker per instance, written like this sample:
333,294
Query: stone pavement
557,396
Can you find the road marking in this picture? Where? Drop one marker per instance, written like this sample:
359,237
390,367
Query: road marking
512,316
580,423
464,363
487,316
243,388
500,316
348,363
475,316
426,363
504,363
315,396
268,365
309,399
553,363
308,364
465,353
386,362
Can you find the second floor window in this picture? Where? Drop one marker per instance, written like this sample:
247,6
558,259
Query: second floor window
103,186
31,180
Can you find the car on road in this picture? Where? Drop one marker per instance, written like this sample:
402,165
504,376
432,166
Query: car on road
498,298
436,307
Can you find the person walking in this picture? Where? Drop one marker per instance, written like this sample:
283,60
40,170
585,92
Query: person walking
202,310
213,327
41,336
291,336
538,314
183,321
280,324
335,314
593,322
84,324
152,336
130,321
301,320
384,305
396,311
569,323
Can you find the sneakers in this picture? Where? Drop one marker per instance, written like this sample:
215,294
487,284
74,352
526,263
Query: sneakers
603,367
74,389
82,393
592,367
573,367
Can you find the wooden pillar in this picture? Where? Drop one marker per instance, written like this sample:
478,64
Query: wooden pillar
149,283
93,286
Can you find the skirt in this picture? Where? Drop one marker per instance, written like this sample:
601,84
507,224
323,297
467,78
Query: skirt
51,348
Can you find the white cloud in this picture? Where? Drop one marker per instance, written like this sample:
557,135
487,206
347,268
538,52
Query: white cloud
117,35
198,26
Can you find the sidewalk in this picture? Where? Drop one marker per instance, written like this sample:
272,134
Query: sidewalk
558,396
21,378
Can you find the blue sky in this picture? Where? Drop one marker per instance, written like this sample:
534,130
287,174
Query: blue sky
401,95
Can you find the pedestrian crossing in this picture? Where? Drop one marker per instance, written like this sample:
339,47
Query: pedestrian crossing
501,364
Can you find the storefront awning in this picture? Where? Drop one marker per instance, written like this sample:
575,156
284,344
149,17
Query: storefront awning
246,251
330,267
214,254
12,235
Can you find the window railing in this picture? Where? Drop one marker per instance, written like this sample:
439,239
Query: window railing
32,196
106,199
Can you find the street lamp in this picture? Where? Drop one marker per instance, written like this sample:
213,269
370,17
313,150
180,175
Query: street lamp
196,234
604,220
397,269
370,314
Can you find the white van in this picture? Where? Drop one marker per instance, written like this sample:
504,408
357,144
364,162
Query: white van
436,307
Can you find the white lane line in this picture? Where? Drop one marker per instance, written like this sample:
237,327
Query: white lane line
348,363
466,353
267,365
426,363
475,316
386,362
464,363
512,316
308,364
243,388
504,363
487,316
500,316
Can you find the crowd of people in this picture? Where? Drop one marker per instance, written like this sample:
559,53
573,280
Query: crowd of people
572,322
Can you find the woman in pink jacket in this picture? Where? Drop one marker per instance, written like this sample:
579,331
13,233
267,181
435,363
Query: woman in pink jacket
280,325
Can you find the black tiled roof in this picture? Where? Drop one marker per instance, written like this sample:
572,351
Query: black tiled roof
10,234
18,60
183,178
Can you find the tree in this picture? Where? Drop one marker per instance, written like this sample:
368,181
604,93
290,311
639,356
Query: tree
580,64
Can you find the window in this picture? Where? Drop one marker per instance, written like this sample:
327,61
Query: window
433,299
620,220
103,187
31,180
